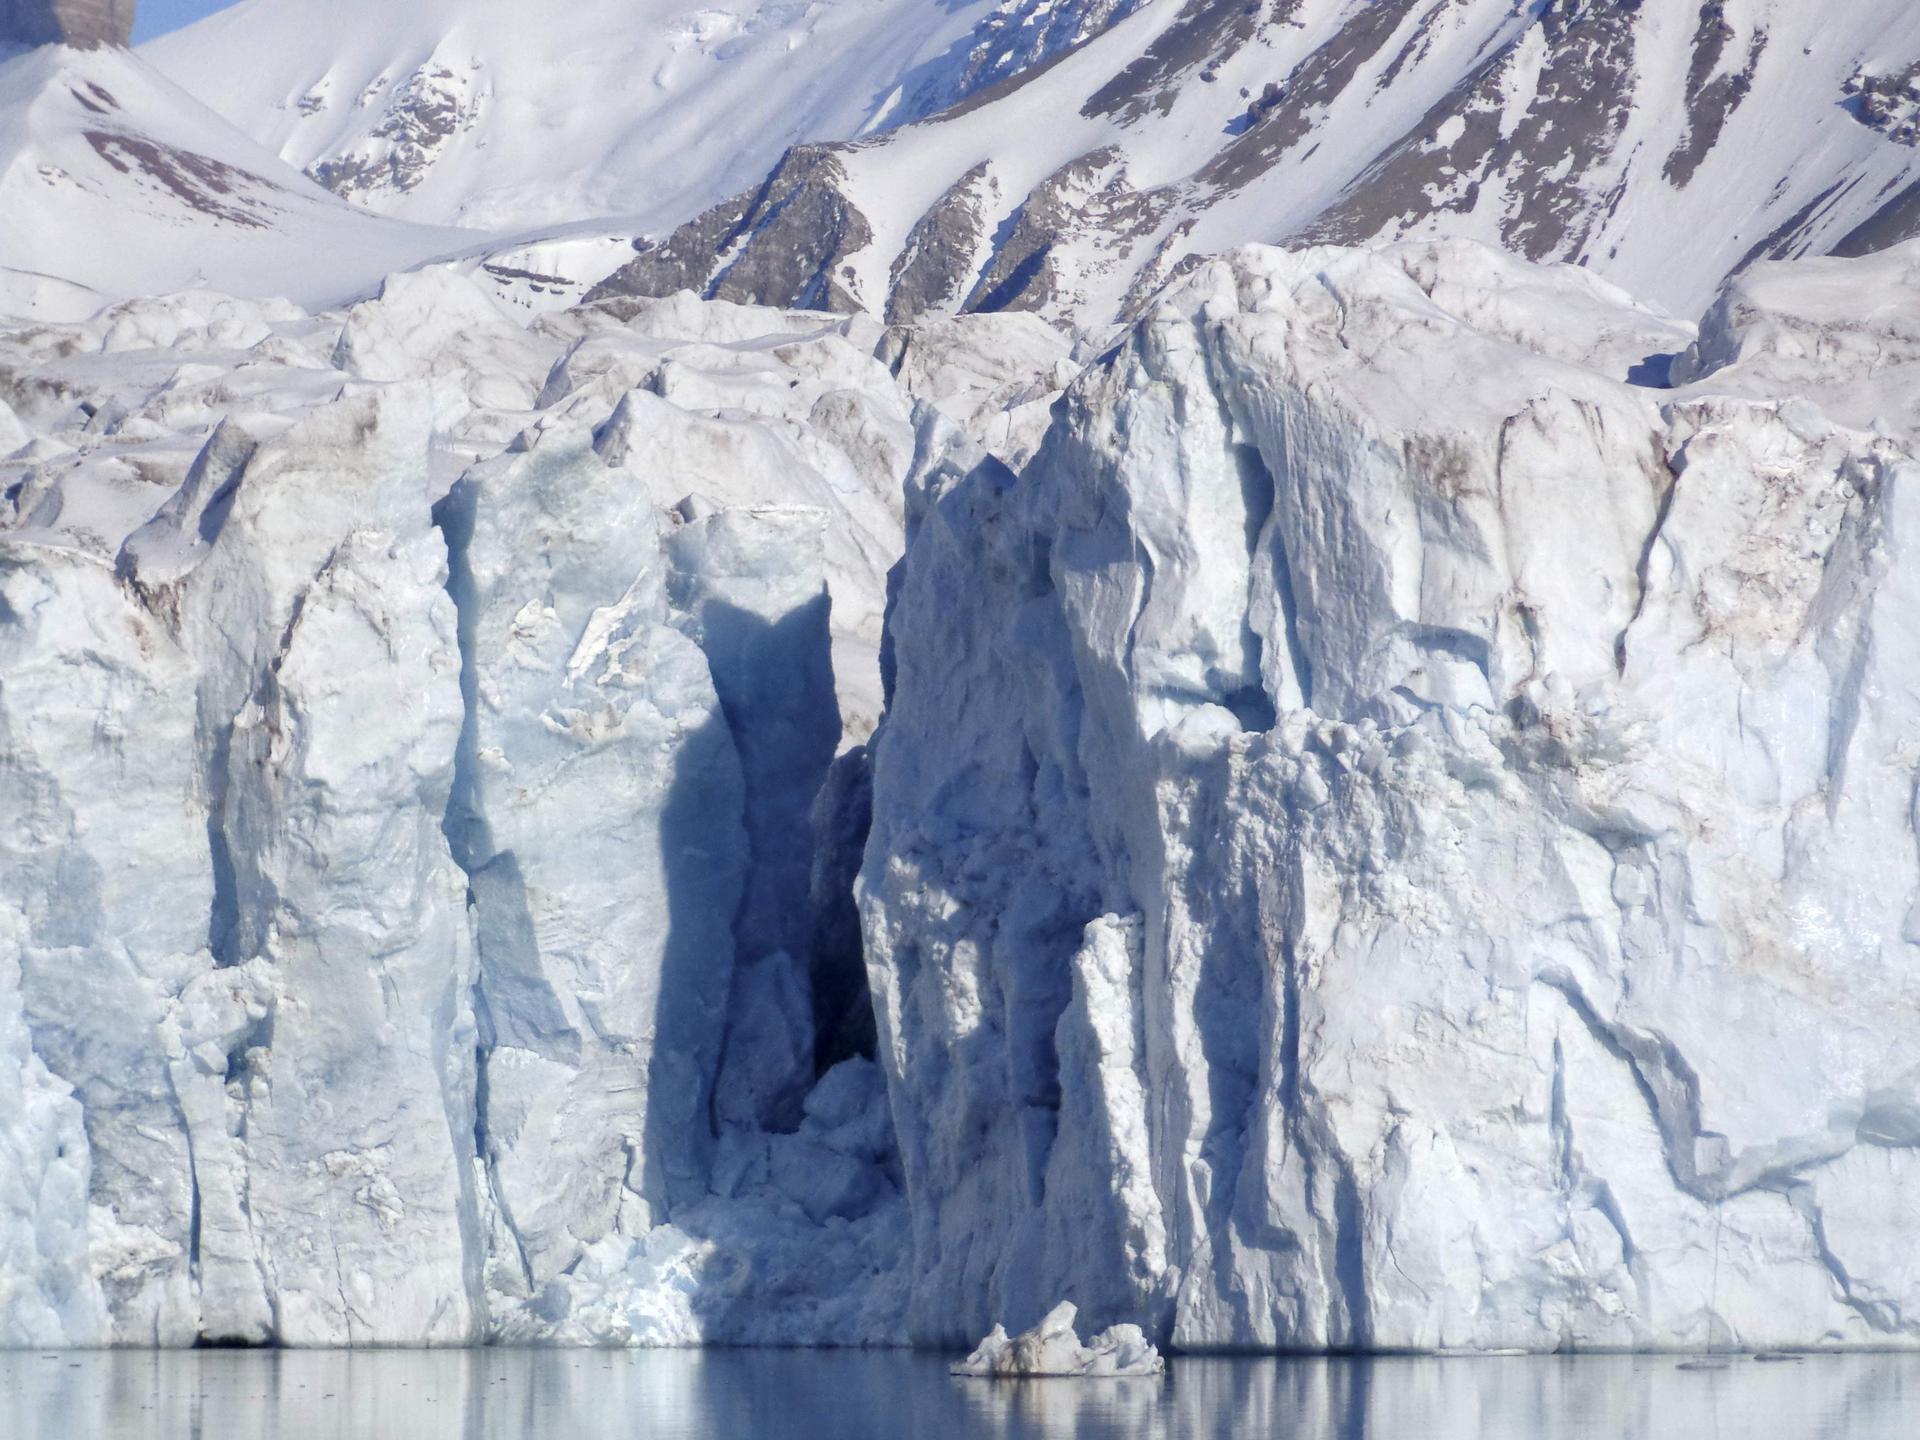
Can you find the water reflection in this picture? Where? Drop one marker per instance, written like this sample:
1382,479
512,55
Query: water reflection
800,1395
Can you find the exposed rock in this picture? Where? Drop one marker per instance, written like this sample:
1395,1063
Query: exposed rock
1204,32
1017,38
1060,233
946,248
84,23
1889,102
785,245
1713,93
418,118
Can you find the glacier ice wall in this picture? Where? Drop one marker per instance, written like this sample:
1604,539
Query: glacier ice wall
411,727
245,944
1384,832
1412,842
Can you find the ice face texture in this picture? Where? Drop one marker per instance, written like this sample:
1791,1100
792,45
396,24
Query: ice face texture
1383,833
411,722
1409,840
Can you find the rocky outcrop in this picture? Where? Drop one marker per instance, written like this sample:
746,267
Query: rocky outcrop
787,244
1599,132
85,23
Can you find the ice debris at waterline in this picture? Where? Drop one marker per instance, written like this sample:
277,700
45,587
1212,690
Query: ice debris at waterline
1052,1348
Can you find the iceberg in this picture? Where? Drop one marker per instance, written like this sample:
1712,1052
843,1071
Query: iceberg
1051,1348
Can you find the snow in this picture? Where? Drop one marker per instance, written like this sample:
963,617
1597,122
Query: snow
117,184
1839,332
1051,1348
1101,146
1643,142
461,111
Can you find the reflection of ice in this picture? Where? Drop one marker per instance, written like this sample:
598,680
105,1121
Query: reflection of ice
1036,1407
851,1395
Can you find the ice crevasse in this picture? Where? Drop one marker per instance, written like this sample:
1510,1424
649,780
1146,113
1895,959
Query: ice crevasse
1383,832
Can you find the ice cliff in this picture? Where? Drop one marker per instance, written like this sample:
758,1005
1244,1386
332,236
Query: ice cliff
411,721
1381,831
1412,842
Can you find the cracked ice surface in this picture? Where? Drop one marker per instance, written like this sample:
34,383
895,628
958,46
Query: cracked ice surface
1385,834
411,722
1414,843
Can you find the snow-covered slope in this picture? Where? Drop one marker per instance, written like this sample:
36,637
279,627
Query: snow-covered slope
1662,142
1414,843
511,116
906,158
115,183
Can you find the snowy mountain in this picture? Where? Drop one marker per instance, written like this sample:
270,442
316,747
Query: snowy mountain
1662,142
904,157
115,183
506,116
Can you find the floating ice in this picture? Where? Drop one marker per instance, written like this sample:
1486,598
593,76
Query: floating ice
1052,1348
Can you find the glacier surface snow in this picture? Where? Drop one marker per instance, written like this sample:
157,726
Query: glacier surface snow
1382,832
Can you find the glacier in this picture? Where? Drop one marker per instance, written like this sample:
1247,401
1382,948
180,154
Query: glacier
1376,812
1413,844
413,721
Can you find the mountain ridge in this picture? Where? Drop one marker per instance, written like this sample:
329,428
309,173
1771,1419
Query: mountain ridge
1751,129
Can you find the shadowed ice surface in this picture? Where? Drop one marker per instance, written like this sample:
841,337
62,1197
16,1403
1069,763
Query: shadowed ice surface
802,1395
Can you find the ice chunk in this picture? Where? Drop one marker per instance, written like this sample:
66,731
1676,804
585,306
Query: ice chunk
1052,1348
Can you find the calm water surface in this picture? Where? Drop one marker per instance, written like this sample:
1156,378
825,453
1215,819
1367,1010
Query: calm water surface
800,1395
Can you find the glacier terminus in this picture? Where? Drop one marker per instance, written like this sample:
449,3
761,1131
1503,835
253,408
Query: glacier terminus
1283,715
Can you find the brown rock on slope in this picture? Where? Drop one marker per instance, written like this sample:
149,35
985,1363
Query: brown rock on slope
85,23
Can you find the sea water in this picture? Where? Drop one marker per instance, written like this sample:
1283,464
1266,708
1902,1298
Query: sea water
849,1395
